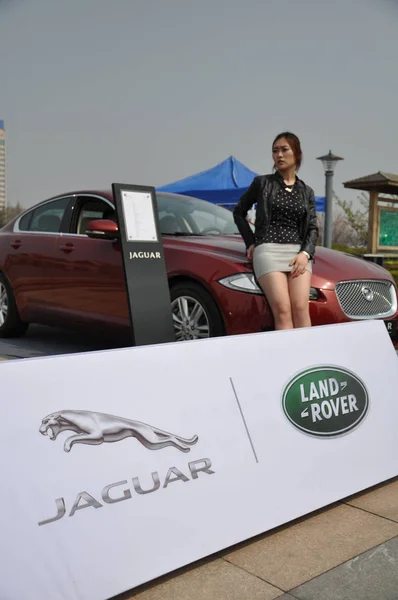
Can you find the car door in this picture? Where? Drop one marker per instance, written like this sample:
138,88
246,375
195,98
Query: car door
32,256
92,290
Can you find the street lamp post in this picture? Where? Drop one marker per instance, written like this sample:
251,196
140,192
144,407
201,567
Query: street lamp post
329,162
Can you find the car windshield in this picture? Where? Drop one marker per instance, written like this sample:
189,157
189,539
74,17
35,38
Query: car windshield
183,215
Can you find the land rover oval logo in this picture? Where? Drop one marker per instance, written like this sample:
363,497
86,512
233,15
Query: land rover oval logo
325,401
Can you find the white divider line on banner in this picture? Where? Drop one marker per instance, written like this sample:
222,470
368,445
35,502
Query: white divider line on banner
243,419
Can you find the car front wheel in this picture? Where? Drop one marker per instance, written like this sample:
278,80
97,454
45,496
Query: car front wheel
10,323
195,313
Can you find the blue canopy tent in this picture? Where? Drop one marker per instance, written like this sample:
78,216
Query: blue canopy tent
222,184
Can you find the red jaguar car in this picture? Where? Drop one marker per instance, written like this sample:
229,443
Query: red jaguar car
54,270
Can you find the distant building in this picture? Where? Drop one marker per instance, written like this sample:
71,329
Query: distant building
3,196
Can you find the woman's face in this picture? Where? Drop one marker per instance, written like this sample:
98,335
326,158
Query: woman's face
283,155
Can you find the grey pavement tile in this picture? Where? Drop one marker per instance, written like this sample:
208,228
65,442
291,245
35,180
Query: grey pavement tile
216,580
371,576
295,554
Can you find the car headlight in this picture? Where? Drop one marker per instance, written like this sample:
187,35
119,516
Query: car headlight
246,282
242,282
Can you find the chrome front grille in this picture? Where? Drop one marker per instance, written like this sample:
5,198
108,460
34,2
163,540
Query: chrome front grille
367,299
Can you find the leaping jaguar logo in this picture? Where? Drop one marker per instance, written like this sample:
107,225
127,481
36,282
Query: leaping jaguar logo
96,428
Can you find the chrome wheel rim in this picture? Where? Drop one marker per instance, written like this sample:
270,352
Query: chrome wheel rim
3,304
190,319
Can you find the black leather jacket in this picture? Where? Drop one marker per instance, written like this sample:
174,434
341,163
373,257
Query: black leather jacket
262,191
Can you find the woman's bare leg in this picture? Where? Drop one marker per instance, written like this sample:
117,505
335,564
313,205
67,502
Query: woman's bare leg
299,291
276,289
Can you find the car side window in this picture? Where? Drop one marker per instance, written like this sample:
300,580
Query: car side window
92,209
46,218
25,220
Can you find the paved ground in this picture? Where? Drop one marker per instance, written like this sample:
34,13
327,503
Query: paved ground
348,551
44,341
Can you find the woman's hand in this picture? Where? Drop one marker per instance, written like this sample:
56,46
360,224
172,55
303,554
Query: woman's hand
299,264
250,251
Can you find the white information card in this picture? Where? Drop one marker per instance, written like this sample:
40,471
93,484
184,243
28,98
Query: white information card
139,217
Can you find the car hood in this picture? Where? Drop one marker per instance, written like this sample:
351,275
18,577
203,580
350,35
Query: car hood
231,246
330,266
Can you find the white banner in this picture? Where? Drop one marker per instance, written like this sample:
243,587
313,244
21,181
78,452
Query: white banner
120,466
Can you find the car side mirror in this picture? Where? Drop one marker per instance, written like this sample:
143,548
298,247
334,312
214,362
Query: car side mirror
102,229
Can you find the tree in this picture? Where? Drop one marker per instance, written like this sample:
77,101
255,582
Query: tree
342,232
354,222
10,213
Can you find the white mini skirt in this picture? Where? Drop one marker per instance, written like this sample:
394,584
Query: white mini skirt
275,257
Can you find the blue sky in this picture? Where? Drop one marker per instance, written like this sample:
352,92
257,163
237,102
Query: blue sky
150,91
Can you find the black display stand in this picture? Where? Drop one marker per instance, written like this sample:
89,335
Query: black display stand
144,264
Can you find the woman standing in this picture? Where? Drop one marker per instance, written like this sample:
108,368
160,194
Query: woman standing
286,232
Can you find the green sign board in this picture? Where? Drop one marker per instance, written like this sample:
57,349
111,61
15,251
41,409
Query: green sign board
388,234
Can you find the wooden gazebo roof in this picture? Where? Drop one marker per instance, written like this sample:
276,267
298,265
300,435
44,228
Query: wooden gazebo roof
383,183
